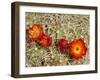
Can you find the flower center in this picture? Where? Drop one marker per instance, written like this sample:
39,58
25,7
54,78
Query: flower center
36,30
77,49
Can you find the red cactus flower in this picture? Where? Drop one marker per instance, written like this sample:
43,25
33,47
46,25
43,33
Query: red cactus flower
77,48
63,49
35,31
63,45
45,40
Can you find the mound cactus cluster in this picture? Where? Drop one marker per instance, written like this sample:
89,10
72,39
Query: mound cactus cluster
56,39
77,47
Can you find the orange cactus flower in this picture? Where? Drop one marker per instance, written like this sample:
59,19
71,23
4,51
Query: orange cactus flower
45,40
35,31
77,48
